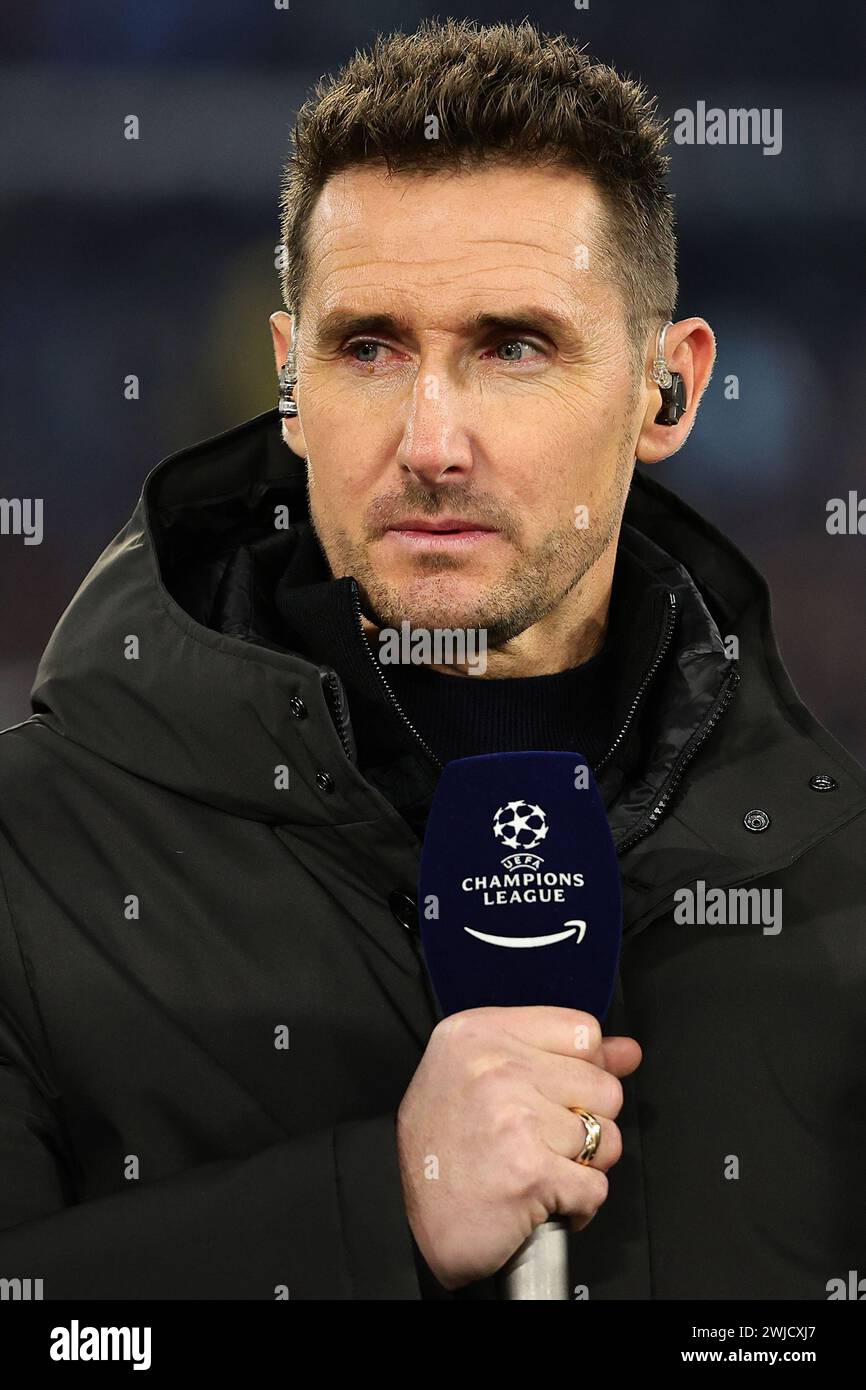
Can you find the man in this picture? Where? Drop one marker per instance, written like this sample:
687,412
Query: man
224,1070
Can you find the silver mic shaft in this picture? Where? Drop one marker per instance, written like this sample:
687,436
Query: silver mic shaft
539,1269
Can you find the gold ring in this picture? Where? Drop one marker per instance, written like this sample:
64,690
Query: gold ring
593,1134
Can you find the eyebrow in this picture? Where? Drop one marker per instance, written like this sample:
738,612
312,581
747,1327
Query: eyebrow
341,323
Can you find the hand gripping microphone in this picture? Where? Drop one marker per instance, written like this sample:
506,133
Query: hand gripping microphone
520,902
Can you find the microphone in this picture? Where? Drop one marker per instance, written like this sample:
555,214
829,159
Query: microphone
520,903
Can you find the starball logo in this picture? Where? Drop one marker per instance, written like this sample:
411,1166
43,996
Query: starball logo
520,826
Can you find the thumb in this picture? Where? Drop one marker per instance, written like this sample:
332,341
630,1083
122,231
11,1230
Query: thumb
620,1056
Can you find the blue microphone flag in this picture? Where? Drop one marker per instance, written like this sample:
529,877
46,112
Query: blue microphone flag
519,897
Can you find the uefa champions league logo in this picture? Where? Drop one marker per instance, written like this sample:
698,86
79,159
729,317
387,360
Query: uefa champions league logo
520,825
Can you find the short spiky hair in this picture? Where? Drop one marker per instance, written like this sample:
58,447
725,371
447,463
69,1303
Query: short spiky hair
500,93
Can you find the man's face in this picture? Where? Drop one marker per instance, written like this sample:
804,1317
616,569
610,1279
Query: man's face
468,473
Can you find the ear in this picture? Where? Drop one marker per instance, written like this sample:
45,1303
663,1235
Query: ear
690,349
283,337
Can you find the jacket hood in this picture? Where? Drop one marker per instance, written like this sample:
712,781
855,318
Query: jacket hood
167,663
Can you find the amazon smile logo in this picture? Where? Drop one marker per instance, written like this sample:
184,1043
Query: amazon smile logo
574,926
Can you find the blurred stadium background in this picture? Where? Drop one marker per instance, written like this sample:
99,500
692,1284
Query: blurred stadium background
157,257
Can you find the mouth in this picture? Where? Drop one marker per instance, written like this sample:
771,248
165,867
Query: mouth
439,533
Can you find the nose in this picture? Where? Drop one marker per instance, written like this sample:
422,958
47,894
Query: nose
435,447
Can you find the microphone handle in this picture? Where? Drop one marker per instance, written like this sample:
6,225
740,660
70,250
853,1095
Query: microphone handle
539,1269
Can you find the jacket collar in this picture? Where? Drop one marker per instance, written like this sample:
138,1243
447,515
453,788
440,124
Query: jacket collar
137,672
767,753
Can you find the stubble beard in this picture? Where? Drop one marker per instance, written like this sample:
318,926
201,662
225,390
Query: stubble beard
534,584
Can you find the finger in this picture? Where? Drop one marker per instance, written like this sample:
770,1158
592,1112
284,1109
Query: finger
567,1081
578,1190
566,1134
570,1032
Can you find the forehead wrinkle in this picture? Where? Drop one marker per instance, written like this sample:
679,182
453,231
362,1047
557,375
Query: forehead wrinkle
457,253
453,274
448,265
514,241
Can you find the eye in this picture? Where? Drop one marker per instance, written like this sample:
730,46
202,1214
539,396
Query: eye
514,342
351,348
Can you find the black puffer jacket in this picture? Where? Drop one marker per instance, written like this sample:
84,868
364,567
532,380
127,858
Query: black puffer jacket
211,992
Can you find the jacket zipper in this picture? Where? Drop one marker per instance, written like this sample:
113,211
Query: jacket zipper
653,667
657,659
658,810
333,684
356,598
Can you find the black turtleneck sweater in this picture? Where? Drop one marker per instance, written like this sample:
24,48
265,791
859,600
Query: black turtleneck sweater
461,715
581,709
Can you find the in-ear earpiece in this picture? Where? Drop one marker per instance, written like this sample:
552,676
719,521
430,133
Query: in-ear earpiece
288,379
670,384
